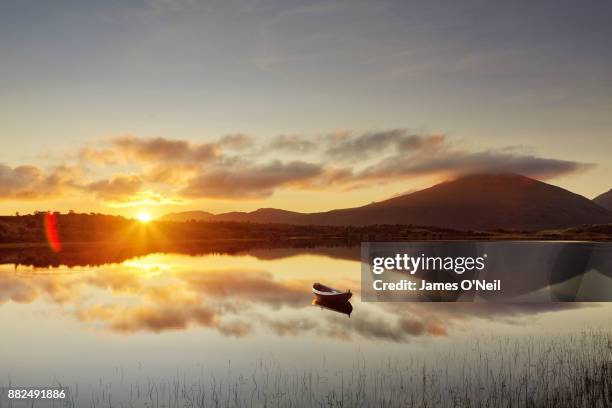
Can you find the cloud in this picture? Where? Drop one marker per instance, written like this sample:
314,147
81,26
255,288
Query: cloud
457,163
345,146
116,188
165,149
126,190
248,285
292,327
17,290
179,305
250,181
154,318
174,173
235,328
99,156
373,327
12,179
401,322
26,288
414,327
236,141
31,183
163,171
399,154
377,324
152,150
172,294
146,198
371,322
293,143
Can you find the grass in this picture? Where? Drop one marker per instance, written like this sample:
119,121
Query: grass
565,371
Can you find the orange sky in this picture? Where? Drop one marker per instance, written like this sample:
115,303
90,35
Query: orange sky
130,174
160,106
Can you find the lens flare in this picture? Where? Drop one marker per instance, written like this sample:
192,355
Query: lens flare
52,232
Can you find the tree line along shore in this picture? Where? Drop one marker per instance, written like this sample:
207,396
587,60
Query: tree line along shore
73,227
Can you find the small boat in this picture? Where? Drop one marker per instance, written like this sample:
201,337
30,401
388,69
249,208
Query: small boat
327,294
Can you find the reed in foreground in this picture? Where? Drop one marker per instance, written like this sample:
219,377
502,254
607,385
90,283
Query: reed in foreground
563,371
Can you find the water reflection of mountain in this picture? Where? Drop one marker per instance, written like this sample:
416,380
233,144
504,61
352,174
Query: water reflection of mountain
95,254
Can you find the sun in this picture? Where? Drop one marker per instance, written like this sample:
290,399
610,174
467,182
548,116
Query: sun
144,217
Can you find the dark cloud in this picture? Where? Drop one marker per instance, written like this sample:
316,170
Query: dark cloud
454,163
401,154
250,181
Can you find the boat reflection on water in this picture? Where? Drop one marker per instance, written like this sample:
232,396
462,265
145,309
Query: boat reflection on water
339,307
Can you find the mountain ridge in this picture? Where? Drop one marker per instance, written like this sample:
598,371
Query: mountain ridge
604,200
473,202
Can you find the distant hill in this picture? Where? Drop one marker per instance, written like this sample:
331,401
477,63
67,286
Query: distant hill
188,216
262,215
604,200
475,202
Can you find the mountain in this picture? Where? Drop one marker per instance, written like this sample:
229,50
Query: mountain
262,215
604,200
478,202
475,202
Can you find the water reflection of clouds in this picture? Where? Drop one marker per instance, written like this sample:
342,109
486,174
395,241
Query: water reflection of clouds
158,293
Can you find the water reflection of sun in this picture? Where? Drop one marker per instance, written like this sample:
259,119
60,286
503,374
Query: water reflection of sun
145,267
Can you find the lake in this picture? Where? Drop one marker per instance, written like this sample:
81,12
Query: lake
150,330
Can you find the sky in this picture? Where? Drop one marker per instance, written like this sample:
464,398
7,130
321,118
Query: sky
170,105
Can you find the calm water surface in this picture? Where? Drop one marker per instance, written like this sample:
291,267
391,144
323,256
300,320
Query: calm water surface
161,315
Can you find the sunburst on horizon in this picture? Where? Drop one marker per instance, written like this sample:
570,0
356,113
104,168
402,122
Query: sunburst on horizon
143,217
